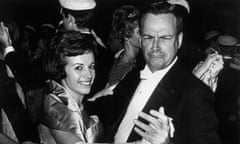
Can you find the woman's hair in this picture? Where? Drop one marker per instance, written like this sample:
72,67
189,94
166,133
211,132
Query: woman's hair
124,20
66,44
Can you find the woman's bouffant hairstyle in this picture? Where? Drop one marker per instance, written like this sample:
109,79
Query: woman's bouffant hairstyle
66,44
125,20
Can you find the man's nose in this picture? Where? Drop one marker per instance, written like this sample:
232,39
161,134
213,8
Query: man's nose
155,44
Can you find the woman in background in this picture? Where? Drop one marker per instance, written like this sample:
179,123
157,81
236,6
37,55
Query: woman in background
125,43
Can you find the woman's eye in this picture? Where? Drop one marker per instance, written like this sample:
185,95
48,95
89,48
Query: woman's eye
92,66
78,68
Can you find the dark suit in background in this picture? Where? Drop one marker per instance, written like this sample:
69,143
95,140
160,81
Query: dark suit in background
13,107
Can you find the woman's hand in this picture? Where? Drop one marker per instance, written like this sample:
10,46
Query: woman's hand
104,92
208,70
213,61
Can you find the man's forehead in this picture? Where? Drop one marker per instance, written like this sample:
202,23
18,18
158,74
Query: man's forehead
163,22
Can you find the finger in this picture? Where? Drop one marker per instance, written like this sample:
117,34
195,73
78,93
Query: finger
148,117
156,122
141,125
142,134
161,116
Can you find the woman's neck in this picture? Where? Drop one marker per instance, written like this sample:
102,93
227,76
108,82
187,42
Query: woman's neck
129,53
76,96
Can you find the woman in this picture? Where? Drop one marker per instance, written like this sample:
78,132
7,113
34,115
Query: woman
125,30
70,64
125,43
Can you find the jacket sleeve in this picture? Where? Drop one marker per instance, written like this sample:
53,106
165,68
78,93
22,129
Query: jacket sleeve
202,119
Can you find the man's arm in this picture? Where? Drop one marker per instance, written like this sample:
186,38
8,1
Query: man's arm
202,120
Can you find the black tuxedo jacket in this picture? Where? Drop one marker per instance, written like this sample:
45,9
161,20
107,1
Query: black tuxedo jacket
186,99
13,107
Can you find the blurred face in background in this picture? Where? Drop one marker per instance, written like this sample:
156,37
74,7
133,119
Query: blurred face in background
134,40
80,73
160,40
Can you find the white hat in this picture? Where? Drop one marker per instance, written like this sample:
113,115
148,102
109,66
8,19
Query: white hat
77,5
182,3
227,40
30,28
211,34
47,25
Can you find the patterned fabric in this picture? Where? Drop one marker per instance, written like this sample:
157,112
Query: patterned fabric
61,112
119,71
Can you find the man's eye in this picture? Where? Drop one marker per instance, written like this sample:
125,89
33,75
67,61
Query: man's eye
167,37
146,37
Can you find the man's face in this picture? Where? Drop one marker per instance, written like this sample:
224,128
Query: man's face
160,41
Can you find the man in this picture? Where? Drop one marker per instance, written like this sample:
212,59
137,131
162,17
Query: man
163,83
78,15
11,94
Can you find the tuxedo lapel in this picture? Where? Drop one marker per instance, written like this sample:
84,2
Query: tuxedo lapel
157,99
163,95
122,98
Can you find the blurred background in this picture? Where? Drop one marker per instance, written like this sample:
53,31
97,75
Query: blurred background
205,14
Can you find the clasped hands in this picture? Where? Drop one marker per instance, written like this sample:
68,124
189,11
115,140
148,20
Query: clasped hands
159,129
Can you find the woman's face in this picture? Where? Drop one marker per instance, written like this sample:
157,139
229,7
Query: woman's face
80,73
135,38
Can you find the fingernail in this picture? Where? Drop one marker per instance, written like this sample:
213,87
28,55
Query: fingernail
161,110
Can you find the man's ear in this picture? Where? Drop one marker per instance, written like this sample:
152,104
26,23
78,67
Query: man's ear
179,40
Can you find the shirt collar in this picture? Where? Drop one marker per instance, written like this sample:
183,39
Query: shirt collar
146,73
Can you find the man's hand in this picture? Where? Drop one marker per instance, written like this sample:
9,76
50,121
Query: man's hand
4,36
158,129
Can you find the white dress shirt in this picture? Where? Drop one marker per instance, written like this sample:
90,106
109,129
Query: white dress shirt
148,83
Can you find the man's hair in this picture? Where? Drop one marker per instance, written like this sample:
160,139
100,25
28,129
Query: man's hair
163,7
66,44
84,18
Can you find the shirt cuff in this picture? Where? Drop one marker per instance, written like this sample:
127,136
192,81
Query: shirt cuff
8,50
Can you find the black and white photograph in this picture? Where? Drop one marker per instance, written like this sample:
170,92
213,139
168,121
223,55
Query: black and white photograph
119,71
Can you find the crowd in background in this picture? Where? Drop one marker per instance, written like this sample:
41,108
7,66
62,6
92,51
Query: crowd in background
26,52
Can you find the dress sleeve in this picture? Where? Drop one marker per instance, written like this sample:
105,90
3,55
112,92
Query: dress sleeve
58,116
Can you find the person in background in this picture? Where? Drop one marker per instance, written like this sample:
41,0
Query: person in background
227,91
151,104
78,15
70,63
15,118
28,41
125,24
209,69
47,32
125,34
